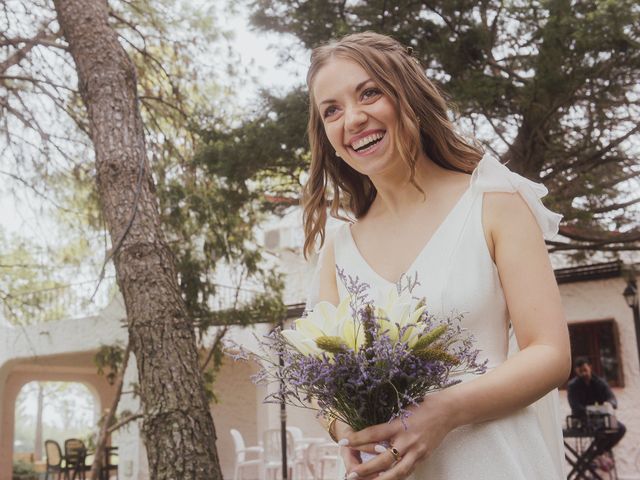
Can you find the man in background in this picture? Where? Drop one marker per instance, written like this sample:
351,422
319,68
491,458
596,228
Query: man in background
588,389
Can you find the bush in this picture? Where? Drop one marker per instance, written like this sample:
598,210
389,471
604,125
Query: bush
24,471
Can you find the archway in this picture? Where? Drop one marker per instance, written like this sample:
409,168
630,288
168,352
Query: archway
70,368
51,410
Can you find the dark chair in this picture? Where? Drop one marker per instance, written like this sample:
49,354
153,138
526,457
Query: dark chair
56,463
75,454
110,464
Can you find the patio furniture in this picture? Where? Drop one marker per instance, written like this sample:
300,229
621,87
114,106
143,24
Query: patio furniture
298,462
75,454
110,464
55,460
241,455
321,456
272,456
581,436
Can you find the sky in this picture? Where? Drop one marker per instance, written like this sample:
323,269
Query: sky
259,50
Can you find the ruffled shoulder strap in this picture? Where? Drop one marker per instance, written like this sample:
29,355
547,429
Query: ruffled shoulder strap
492,176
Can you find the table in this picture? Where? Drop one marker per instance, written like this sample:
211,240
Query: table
79,467
590,430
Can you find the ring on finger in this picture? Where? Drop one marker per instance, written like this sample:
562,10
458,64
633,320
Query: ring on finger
395,453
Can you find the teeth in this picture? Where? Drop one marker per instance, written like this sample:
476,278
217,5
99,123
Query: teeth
368,139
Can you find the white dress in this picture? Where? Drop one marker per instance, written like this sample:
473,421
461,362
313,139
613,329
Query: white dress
456,273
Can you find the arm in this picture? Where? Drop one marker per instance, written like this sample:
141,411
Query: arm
607,394
542,364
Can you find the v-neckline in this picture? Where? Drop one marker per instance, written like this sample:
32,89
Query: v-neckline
420,253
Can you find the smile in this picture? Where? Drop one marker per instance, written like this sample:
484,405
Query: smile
368,144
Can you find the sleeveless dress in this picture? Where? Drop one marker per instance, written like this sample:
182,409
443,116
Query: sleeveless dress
456,274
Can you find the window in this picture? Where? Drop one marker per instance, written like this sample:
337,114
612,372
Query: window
599,342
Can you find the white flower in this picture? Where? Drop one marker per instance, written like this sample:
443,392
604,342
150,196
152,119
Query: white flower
303,344
325,320
399,311
353,334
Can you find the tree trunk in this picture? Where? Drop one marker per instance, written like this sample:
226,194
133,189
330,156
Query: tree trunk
38,445
178,428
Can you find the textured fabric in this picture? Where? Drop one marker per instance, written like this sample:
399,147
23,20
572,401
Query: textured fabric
456,274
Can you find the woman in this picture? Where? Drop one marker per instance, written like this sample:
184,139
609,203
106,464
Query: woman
383,146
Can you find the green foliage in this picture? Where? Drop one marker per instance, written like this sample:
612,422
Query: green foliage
109,360
29,289
24,471
546,85
266,154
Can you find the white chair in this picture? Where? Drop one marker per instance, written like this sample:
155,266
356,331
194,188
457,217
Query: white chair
272,455
321,456
241,451
298,461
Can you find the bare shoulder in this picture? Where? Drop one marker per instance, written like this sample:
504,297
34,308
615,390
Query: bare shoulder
508,210
507,218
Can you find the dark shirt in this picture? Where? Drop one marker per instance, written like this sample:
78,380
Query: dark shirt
582,394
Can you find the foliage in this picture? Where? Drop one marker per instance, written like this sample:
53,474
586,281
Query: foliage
109,359
29,288
550,86
209,213
24,471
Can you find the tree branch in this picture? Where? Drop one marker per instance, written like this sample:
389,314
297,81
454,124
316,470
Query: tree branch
123,422
22,52
615,206
104,429
36,81
602,239
219,335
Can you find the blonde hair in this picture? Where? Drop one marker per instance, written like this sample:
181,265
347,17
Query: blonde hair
422,124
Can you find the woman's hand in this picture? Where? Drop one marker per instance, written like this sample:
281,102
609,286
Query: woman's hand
350,456
427,426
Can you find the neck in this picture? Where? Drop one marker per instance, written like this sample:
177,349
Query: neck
395,192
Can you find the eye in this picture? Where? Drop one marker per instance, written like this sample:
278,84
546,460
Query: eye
370,93
330,110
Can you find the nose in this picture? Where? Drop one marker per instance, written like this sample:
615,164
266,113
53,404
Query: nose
355,118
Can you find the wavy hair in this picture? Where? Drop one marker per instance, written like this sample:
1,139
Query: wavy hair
423,124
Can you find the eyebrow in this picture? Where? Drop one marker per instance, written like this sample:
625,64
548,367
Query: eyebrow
358,88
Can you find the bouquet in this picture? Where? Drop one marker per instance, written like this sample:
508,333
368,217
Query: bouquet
366,363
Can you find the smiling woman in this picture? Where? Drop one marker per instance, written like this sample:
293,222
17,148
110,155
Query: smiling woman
425,203
383,86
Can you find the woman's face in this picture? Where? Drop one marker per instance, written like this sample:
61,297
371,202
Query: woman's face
358,118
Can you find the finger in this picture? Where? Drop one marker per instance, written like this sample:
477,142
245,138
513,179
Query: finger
400,470
375,434
351,458
373,467
372,448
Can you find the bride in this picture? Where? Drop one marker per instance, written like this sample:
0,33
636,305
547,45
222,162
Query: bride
423,199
